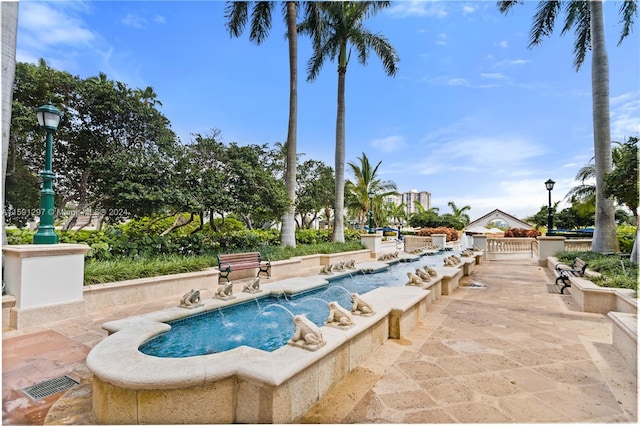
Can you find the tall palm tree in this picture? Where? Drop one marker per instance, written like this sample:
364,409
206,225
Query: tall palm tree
587,20
148,96
334,27
237,14
9,33
366,181
460,213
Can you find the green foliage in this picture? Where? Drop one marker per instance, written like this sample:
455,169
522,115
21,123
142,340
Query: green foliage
312,236
280,253
22,197
626,236
122,268
156,225
19,236
228,224
127,269
622,181
617,272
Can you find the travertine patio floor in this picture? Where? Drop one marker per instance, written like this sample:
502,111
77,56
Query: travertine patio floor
514,351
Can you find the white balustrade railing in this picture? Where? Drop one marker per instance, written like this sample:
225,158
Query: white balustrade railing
505,245
577,244
414,242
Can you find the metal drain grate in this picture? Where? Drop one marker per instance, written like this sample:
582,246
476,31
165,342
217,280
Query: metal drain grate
49,387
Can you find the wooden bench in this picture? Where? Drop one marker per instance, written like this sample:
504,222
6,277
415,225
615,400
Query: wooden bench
228,263
564,272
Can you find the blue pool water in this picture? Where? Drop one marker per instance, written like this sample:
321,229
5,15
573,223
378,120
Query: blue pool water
265,323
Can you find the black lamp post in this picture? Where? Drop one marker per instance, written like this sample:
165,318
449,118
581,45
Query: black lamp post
371,230
48,118
549,184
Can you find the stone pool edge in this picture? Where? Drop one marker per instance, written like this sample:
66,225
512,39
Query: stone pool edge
243,385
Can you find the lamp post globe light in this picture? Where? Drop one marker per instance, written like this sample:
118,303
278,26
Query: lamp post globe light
371,230
49,119
549,185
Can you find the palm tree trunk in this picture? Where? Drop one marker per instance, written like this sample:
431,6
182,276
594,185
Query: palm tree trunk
338,213
288,232
9,32
604,236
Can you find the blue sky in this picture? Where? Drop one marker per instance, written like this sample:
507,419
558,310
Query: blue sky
472,116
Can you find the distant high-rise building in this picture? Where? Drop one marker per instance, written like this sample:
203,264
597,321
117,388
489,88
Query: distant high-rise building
409,199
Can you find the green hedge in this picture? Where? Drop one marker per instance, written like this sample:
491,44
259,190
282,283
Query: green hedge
123,241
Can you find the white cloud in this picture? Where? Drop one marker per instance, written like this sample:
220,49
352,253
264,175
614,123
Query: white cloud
44,25
134,21
442,39
457,81
390,143
504,44
495,76
625,116
418,8
468,9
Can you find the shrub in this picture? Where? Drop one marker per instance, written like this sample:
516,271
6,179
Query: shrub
626,236
522,233
19,236
156,225
452,234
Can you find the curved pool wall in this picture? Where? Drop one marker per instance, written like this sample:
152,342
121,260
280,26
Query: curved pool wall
242,385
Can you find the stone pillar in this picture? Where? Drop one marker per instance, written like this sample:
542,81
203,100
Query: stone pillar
47,281
548,246
439,241
480,241
372,242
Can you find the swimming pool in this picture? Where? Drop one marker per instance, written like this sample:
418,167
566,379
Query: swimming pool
245,384
265,322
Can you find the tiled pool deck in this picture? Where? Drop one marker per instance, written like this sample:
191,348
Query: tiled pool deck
515,351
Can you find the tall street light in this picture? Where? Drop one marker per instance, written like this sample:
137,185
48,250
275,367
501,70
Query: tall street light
48,118
549,184
371,230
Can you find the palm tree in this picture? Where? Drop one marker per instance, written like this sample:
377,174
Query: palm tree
585,192
148,96
586,18
366,181
9,33
334,27
237,16
459,213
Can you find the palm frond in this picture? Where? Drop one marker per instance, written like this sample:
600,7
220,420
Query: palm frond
506,5
578,16
629,11
261,21
236,14
543,21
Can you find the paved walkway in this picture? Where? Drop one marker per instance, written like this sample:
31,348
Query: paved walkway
514,351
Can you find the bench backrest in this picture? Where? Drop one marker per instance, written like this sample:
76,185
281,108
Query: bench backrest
239,257
579,264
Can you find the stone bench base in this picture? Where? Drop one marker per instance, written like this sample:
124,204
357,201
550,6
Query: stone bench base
625,337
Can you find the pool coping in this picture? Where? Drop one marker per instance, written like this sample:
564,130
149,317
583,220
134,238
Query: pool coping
135,383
